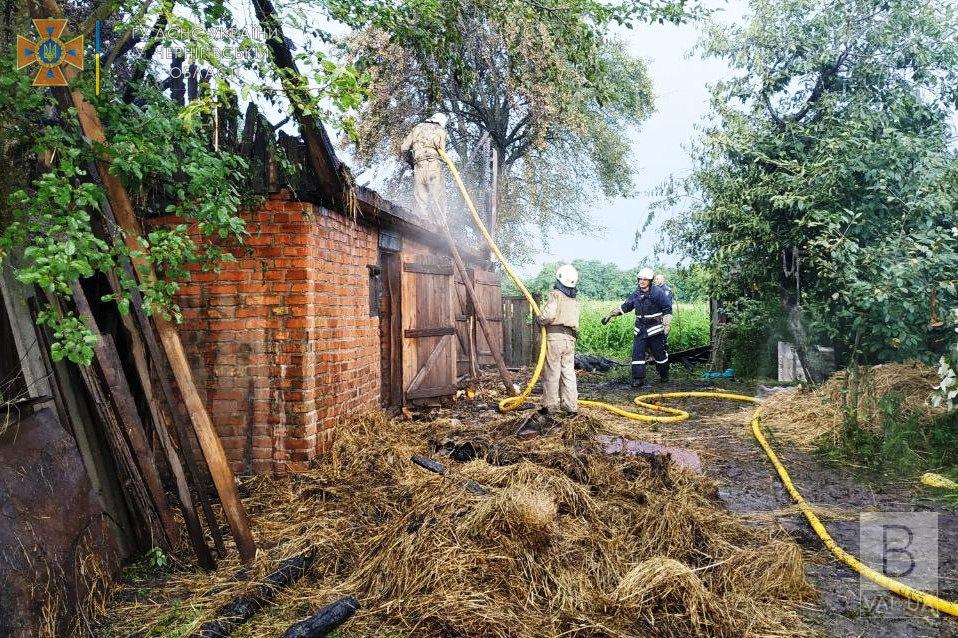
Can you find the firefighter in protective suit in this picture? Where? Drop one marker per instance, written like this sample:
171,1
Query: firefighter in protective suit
419,150
653,318
560,316
659,280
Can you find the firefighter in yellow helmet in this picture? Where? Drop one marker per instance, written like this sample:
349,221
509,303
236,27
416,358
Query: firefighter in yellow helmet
560,316
419,151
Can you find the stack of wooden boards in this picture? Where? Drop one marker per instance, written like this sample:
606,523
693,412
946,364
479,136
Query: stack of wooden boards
150,399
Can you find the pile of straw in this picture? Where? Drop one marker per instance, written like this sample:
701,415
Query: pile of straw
561,540
804,416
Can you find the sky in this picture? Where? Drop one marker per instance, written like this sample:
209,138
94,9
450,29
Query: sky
680,81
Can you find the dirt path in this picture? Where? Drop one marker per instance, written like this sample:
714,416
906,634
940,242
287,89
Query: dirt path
747,482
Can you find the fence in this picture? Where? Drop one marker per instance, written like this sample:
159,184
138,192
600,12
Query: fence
520,338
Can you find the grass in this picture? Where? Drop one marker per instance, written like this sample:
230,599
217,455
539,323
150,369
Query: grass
948,497
690,329
905,445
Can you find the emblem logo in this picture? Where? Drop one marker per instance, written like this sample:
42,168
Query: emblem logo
50,52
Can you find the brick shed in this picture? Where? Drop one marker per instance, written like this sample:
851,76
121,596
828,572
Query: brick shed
324,316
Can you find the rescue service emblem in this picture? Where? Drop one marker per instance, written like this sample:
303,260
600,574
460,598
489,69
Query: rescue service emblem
50,52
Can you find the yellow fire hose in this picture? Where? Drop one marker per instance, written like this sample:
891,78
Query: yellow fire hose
674,414
937,480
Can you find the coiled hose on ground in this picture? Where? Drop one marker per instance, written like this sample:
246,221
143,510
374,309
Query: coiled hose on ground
668,414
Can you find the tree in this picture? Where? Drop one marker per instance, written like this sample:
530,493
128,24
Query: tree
606,281
543,81
825,193
51,205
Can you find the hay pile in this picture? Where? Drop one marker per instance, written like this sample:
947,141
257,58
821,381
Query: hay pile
562,540
804,416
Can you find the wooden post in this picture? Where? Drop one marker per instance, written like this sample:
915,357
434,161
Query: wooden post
717,359
480,313
108,361
123,210
473,355
146,337
103,469
25,344
135,491
177,81
394,284
193,527
494,193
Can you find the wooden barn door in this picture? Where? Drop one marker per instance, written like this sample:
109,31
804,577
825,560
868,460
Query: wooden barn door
489,293
429,328
390,329
520,334
464,323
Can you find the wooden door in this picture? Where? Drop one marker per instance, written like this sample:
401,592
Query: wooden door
489,293
429,328
464,313
520,334
390,329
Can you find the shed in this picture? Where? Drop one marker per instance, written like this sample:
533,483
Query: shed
326,313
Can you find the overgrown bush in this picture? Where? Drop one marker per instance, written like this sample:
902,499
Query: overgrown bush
690,329
905,444
947,391
826,178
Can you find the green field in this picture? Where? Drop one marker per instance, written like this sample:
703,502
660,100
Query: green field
690,328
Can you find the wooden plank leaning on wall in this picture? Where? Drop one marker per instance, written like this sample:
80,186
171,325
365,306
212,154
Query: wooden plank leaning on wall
122,208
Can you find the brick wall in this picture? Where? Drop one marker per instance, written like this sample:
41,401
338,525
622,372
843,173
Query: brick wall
281,341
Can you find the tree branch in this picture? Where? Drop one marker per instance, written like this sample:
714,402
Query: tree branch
153,43
127,41
103,11
824,83
517,129
771,111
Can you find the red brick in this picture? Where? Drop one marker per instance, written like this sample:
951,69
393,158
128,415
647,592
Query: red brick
291,316
251,311
233,275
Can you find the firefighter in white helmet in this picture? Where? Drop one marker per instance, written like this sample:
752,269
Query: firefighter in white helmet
653,312
560,316
419,149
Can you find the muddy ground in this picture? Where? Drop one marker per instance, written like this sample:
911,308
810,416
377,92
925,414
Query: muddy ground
718,431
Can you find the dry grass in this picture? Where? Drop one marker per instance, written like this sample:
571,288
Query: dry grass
81,599
824,512
804,416
563,541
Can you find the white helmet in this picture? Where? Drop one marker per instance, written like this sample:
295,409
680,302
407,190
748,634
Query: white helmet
646,273
439,118
567,275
